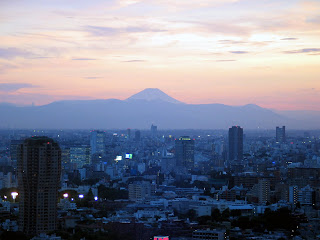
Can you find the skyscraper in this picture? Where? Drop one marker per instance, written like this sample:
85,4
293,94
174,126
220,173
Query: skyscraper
184,152
98,142
235,143
38,170
263,191
13,150
293,194
80,155
128,133
281,134
154,131
137,135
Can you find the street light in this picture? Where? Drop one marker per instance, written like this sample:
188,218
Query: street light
65,195
14,196
81,196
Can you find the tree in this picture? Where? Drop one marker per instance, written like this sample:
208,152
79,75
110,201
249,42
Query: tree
204,220
8,235
225,214
282,218
216,215
235,213
191,214
89,196
90,181
243,223
112,193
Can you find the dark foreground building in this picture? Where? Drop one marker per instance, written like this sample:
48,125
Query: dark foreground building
39,169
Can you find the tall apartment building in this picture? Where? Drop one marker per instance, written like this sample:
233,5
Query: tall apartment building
184,152
154,131
305,195
80,155
281,134
38,170
235,143
293,194
263,191
98,142
137,135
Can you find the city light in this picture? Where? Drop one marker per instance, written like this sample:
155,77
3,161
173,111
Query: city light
14,195
81,196
65,195
161,238
96,198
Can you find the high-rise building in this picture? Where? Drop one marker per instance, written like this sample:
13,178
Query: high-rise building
137,135
80,155
281,134
167,164
305,195
13,150
263,191
128,133
98,142
38,170
293,194
184,152
235,143
154,131
65,156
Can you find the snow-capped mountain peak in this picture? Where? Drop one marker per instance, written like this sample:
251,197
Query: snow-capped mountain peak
153,94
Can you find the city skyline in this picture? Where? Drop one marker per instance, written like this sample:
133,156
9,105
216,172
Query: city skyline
174,183
233,52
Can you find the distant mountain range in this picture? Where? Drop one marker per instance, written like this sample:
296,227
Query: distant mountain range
150,106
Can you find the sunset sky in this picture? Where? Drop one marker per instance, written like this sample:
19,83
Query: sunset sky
234,52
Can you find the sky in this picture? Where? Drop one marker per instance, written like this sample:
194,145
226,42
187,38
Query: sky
233,52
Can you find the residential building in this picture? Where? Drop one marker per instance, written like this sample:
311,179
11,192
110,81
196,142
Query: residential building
209,234
235,143
281,134
184,152
98,142
39,170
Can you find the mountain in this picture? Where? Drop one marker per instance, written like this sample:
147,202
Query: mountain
140,111
307,116
152,94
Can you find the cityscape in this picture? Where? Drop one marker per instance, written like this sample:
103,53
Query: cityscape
160,184
159,120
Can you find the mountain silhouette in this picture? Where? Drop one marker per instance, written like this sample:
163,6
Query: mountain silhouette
141,110
152,94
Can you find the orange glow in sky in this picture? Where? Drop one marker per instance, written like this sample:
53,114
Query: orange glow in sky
233,52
